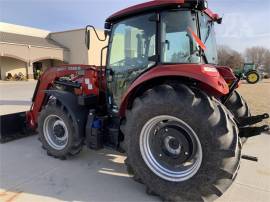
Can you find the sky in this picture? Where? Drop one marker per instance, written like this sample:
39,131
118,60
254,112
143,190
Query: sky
246,23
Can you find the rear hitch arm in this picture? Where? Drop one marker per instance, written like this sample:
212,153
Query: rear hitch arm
253,131
253,119
250,158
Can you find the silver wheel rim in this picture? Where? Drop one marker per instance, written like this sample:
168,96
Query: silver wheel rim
57,142
185,172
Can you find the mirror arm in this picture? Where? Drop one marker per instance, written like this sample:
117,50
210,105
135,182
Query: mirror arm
90,26
100,73
101,54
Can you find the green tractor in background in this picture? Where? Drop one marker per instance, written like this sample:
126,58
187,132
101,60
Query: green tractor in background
249,73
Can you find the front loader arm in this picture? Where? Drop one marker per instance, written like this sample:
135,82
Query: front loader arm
82,78
45,82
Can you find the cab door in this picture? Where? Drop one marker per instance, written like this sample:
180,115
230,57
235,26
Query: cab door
132,51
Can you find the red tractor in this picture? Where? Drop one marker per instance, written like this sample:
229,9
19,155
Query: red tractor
161,98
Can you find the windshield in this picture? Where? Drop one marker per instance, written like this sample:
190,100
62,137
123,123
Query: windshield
208,38
177,43
248,67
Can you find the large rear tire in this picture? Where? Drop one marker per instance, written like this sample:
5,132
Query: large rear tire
57,133
181,144
238,106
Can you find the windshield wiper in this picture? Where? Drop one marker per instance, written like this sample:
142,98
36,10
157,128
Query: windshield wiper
208,31
200,43
204,56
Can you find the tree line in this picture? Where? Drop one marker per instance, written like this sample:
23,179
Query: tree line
260,56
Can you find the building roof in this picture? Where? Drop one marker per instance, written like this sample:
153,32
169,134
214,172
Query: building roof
24,30
28,40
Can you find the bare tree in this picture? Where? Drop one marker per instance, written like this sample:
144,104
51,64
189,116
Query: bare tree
267,62
229,57
259,56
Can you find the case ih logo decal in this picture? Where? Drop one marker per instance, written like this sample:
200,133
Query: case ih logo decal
71,68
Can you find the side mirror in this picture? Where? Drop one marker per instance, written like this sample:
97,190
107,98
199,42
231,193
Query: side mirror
219,20
107,26
87,38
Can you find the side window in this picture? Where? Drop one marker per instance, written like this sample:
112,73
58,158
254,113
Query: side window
132,45
133,42
118,46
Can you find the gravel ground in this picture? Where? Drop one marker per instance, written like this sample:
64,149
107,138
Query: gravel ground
257,97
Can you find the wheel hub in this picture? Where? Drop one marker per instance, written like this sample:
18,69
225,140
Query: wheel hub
59,131
170,148
175,144
172,145
56,132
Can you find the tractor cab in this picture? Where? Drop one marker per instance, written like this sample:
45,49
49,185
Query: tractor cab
248,72
249,67
163,33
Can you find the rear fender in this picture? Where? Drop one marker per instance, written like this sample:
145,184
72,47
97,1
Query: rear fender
210,81
69,101
226,73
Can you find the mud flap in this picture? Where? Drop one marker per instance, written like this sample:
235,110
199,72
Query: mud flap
13,126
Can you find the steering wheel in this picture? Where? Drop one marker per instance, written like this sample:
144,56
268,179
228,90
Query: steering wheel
188,57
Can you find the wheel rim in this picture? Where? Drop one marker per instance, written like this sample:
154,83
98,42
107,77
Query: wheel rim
252,77
170,148
55,132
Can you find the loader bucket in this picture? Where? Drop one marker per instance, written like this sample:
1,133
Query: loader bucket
13,126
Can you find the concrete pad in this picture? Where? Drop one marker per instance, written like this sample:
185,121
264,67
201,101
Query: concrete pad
15,96
253,181
28,174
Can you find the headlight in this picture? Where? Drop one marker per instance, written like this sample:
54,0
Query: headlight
210,69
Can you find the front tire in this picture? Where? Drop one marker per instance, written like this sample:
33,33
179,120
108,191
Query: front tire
205,141
57,133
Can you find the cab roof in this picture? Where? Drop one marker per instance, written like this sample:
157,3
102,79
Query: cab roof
155,5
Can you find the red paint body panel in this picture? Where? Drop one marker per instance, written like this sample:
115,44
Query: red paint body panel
47,79
211,14
139,7
211,82
152,5
226,73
